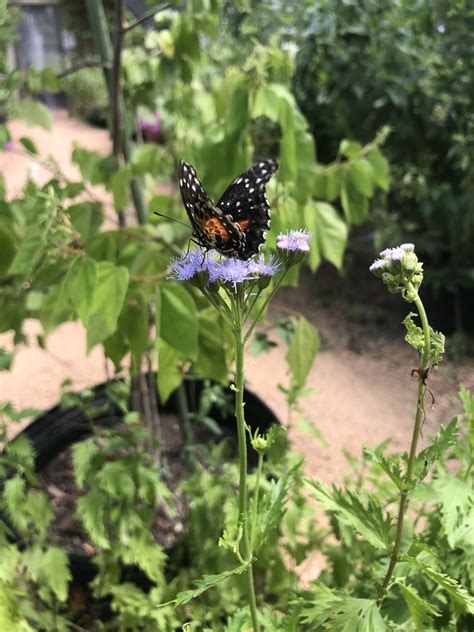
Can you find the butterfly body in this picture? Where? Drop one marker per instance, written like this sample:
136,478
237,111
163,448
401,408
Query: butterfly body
236,225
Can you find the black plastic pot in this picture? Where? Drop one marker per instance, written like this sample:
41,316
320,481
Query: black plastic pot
59,427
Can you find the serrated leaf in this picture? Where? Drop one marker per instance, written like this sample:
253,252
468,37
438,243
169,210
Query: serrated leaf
330,233
55,568
420,610
148,555
368,520
443,440
339,612
207,581
80,285
86,217
28,254
450,585
456,502
83,456
90,510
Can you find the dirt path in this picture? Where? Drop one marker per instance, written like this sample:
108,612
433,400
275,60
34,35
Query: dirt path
363,392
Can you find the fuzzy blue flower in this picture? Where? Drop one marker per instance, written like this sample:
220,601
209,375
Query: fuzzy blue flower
186,268
378,266
232,271
260,268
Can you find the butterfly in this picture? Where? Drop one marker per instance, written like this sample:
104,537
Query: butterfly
236,225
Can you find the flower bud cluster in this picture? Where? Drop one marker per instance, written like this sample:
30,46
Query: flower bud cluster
400,270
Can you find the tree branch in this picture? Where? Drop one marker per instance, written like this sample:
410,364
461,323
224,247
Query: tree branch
87,63
146,16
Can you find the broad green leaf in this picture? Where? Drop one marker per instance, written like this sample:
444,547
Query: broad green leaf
305,152
27,256
421,611
211,359
266,103
8,242
354,204
330,233
146,159
109,296
302,351
120,185
170,375
237,111
160,204
179,320
449,584
133,324
380,168
367,519
86,217
34,113
55,568
6,358
362,177
80,285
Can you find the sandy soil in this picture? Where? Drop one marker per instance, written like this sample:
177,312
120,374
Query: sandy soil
363,391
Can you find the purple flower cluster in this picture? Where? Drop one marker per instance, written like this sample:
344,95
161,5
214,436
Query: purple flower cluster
295,241
152,126
391,256
9,145
232,271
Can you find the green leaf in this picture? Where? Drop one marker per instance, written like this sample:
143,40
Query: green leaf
170,374
6,358
330,233
456,500
339,612
86,217
160,204
307,427
28,144
368,520
302,351
120,185
133,324
27,256
450,585
80,285
349,148
207,581
211,360
109,296
380,169
83,457
179,320
148,555
443,440
421,611
362,177
354,204
34,113
90,510
146,159
55,568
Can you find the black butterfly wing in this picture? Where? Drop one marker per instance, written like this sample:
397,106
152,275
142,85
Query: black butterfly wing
210,226
245,203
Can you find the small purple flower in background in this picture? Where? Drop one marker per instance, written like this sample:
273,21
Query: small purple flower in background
152,126
186,268
295,240
378,266
9,145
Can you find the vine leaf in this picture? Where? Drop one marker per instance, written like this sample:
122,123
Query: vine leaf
420,610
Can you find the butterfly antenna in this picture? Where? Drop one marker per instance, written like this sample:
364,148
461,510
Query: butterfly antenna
172,219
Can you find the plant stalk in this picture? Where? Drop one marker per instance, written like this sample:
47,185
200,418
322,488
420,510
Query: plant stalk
241,430
419,417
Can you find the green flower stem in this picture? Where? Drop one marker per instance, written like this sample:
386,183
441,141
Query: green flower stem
241,430
264,306
420,412
253,527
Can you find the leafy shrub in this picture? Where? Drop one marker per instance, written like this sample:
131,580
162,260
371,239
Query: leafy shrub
87,96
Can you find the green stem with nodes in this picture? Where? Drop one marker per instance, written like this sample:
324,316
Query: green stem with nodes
253,527
420,412
241,430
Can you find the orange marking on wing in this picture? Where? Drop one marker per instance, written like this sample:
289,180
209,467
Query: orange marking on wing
213,227
243,223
